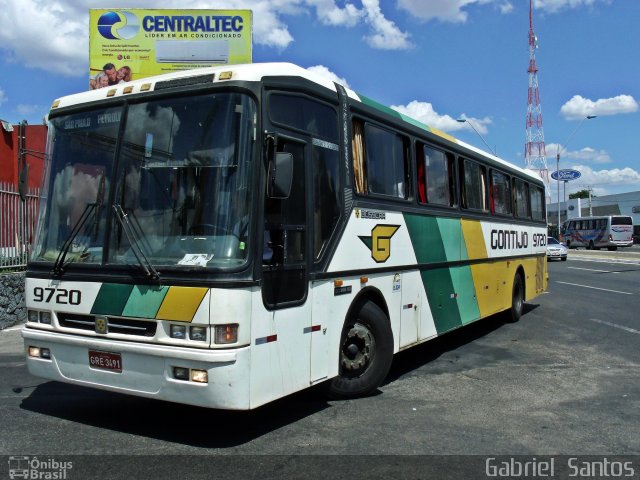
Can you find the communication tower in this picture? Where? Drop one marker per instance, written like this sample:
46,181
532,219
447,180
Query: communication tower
534,151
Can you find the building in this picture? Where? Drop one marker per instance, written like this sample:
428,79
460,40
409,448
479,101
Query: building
22,146
617,204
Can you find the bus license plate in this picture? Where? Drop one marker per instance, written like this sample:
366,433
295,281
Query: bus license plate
105,361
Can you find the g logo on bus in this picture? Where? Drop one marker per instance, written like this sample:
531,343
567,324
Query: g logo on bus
102,325
380,242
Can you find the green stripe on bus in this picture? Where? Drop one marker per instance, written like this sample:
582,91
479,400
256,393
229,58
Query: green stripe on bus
424,233
466,294
451,233
444,307
144,301
111,299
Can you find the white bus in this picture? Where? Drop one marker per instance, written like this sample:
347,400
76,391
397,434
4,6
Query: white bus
610,231
227,236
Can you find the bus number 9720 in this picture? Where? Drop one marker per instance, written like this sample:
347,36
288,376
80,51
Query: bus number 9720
58,295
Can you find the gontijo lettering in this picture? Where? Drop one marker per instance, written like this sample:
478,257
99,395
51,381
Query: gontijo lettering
184,23
508,239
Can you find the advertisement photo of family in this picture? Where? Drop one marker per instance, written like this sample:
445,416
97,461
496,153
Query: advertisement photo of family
109,75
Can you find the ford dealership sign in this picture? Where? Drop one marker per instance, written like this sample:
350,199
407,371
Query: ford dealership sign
565,175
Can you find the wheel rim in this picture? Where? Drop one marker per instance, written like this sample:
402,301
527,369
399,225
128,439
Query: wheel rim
358,350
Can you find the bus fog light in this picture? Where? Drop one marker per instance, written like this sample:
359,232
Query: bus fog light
45,353
179,332
199,376
45,317
226,333
34,352
181,373
32,316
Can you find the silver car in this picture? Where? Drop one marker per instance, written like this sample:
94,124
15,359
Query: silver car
556,250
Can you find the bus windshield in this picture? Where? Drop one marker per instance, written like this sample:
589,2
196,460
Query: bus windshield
167,180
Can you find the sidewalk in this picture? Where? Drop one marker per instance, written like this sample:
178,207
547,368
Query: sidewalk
620,255
11,341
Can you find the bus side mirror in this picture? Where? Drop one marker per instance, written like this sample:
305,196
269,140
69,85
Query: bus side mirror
280,176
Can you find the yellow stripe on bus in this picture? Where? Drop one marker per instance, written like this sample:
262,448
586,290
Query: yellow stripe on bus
474,239
181,303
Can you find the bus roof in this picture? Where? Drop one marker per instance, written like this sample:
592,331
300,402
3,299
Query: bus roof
256,72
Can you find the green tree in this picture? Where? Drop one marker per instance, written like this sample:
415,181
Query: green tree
581,194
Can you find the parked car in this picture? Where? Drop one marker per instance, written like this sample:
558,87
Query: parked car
556,250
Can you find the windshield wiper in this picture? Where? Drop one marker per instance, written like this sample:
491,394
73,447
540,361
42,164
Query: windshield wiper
58,266
133,239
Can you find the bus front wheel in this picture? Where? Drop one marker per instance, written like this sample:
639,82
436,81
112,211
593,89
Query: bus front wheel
366,352
517,299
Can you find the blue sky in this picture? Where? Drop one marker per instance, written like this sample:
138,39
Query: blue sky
436,60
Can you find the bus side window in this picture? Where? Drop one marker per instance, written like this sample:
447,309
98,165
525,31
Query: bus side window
357,142
435,176
386,165
500,193
473,183
521,191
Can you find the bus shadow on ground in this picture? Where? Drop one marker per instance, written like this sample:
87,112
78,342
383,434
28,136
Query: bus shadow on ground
166,421
209,428
476,355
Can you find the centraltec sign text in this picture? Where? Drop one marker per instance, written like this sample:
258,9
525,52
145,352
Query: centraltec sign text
183,23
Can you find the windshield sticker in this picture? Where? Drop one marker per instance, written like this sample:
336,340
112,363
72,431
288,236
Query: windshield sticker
196,259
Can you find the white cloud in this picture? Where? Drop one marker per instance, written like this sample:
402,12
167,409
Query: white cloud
331,14
425,113
579,107
448,10
586,154
506,8
606,181
53,36
386,35
26,110
3,97
325,72
553,6
603,182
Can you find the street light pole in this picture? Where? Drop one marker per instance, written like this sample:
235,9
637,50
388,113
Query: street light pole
588,117
463,120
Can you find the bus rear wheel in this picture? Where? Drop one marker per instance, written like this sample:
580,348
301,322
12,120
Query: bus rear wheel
517,300
366,352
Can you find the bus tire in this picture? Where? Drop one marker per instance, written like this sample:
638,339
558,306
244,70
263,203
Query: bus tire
517,300
366,352
612,249
590,246
568,244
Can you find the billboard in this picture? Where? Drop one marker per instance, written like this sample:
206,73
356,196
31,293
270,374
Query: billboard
128,44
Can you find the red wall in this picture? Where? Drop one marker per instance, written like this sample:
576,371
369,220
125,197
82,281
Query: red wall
35,140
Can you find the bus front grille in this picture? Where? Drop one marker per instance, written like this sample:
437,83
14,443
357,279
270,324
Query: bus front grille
142,328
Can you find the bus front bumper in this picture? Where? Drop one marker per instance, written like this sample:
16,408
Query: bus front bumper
146,370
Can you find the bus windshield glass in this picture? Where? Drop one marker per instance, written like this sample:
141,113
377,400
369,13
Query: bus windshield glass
167,180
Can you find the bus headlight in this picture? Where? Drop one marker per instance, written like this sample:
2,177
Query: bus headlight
198,334
179,332
32,316
45,317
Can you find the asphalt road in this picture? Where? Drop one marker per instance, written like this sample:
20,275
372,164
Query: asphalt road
564,380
